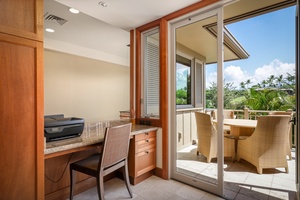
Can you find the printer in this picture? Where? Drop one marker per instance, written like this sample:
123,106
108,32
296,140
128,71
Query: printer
58,127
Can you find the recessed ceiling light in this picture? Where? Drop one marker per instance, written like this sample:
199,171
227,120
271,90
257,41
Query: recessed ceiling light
73,10
102,3
50,30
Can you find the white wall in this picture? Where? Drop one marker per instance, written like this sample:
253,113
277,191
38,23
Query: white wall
83,87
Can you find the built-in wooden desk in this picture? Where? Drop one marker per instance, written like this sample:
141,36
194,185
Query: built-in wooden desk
59,154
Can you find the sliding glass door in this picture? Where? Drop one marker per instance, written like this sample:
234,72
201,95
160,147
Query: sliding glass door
197,40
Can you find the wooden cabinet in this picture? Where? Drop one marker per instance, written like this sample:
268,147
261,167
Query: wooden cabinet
22,100
142,156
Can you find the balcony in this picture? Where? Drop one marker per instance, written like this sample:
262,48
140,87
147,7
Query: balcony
241,179
187,130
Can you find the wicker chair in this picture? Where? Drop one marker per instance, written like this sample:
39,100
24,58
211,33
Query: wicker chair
289,138
207,138
265,148
113,157
228,114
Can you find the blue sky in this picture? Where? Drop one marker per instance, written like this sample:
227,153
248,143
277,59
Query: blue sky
270,41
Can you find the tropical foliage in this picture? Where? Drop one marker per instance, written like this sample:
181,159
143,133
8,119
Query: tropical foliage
275,93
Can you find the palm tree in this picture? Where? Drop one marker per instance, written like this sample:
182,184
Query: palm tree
279,81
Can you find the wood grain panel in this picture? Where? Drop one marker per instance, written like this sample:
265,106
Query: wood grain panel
21,138
57,176
22,18
164,100
138,75
132,76
145,161
142,156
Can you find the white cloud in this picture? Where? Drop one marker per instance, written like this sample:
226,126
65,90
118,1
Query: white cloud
276,68
212,77
235,74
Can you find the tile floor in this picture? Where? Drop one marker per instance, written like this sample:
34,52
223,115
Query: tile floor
241,178
241,182
154,188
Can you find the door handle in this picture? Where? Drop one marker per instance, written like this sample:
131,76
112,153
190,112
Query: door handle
293,120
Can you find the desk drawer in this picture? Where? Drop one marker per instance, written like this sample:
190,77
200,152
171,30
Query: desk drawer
145,144
145,135
145,161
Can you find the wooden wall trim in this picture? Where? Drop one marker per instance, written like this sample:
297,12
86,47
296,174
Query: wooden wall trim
132,79
138,73
189,9
40,119
164,100
149,25
39,18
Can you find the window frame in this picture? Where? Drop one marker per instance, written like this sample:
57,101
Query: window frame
144,73
194,77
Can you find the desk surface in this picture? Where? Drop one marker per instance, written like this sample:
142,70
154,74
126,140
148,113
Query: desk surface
86,140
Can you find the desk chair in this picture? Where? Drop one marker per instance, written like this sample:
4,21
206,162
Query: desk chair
113,157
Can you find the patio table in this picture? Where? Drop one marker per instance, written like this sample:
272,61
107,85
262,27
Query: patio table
239,128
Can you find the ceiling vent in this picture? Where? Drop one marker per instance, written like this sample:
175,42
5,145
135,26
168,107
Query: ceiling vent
53,18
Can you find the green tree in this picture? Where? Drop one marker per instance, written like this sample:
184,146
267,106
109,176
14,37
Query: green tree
274,93
264,99
230,92
181,96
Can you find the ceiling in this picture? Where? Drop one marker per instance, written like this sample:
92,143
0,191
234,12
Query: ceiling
103,32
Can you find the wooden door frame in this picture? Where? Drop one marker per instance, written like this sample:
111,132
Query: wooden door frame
135,74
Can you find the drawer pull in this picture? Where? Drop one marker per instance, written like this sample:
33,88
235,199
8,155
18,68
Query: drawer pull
146,133
147,152
147,140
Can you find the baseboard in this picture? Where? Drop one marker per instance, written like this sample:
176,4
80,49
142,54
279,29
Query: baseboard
140,178
158,172
80,187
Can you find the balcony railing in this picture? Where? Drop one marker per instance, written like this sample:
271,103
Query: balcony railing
187,129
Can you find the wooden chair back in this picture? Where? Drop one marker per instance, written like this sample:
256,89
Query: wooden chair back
116,145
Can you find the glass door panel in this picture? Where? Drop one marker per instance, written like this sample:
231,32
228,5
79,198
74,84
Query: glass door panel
195,159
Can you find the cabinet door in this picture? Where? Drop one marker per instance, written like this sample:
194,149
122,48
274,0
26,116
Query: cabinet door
145,161
21,118
22,18
21,100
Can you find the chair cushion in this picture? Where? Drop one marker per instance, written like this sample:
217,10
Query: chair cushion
88,165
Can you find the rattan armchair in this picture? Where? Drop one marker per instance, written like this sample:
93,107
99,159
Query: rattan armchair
289,138
113,157
207,138
266,147
228,114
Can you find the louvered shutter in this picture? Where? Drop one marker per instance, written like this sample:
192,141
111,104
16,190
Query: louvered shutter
152,79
